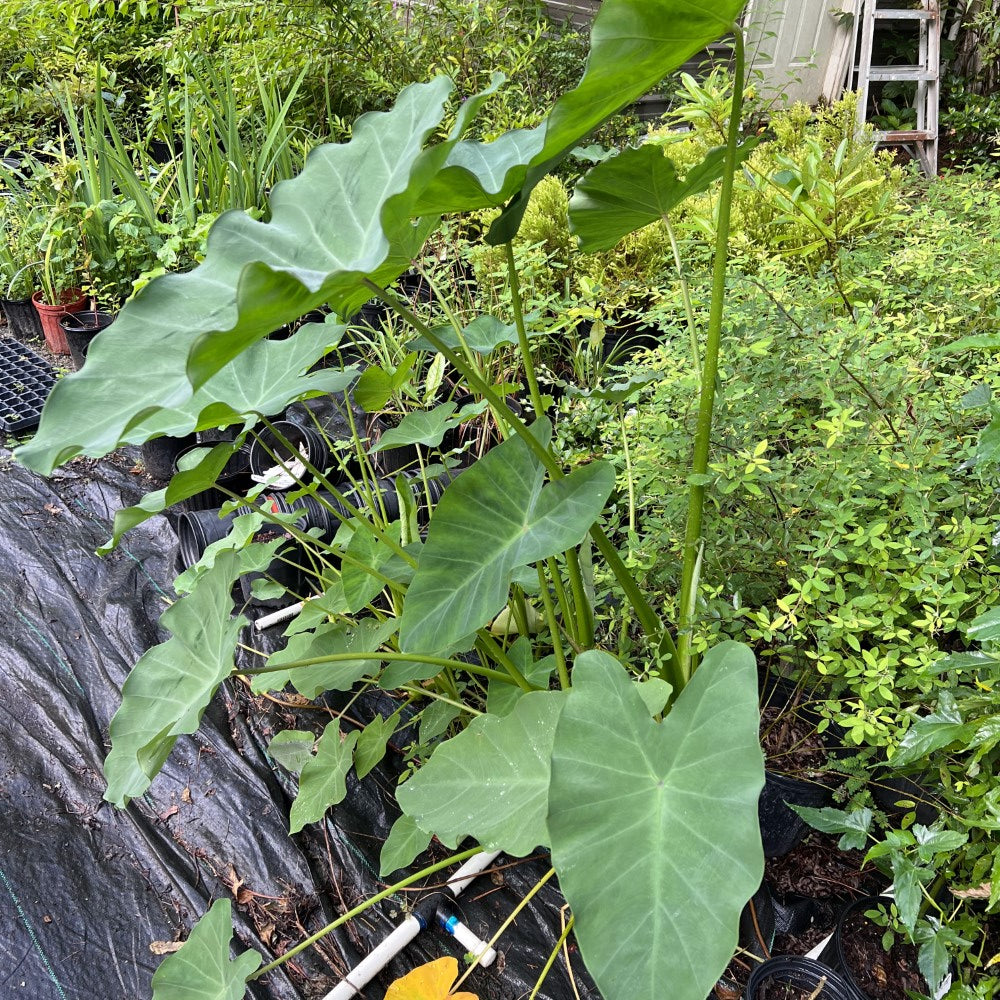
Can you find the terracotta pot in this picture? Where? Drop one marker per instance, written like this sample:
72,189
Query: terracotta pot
72,300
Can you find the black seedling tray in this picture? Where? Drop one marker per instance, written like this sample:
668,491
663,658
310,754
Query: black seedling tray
25,383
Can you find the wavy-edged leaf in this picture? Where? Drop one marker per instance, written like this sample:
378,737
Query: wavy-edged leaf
633,45
345,217
638,187
426,427
171,685
654,825
491,781
496,517
323,779
201,968
362,640
405,841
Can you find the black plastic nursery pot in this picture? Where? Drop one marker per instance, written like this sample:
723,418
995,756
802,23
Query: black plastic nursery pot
781,828
872,974
898,794
756,936
159,455
22,319
307,445
80,329
234,478
621,343
196,530
796,978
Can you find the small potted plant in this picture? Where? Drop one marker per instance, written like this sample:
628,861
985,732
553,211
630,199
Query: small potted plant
60,292
18,269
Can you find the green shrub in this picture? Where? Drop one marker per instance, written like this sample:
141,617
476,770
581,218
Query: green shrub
850,534
811,189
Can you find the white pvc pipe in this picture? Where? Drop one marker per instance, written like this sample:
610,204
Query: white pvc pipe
472,943
363,973
281,615
472,868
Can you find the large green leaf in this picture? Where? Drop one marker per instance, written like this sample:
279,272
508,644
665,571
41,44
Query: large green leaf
201,969
362,640
323,780
654,825
346,216
491,781
495,518
169,688
636,188
633,45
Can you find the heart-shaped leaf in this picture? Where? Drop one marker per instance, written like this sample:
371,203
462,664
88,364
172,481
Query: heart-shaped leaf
633,45
654,825
345,217
491,781
292,749
483,335
201,968
426,427
495,518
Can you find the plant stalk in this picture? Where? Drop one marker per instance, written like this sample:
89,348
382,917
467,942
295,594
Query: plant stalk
683,667
360,908
648,618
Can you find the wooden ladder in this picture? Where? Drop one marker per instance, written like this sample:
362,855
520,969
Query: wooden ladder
925,71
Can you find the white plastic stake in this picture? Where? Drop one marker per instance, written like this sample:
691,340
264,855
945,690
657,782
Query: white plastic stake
275,617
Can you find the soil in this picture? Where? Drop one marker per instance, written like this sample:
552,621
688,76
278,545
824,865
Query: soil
793,747
882,975
818,868
774,990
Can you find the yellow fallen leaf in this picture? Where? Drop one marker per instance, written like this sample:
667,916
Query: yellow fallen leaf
429,982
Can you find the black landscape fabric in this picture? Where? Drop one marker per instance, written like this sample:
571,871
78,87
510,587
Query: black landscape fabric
90,896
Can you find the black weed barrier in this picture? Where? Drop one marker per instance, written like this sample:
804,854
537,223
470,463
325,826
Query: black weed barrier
91,896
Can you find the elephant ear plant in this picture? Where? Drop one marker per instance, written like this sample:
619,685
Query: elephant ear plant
646,793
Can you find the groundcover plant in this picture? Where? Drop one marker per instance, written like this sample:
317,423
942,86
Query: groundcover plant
654,781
